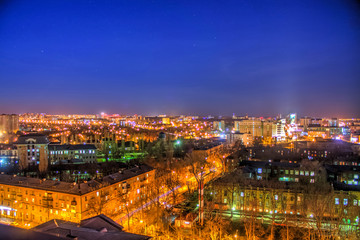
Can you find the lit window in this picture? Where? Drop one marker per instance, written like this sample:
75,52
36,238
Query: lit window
337,201
355,202
276,197
345,201
259,170
312,173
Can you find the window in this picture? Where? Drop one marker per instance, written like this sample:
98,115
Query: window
312,173
345,201
312,180
337,201
276,197
355,202
259,170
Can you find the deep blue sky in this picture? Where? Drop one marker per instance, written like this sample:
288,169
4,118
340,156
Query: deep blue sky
181,57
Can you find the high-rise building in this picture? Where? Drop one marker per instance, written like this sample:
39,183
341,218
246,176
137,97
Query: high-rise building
279,129
9,123
255,126
305,122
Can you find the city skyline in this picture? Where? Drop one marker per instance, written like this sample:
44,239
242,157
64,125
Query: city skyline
139,120
151,58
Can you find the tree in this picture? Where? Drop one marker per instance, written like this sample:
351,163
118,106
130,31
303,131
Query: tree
124,202
253,228
97,203
318,200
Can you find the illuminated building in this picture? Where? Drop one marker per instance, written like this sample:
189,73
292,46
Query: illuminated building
355,137
256,127
305,122
84,152
219,126
295,202
340,174
333,122
279,129
186,221
9,123
35,201
236,126
245,138
8,154
166,120
281,171
33,150
292,118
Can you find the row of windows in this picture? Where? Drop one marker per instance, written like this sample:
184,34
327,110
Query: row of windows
346,202
72,152
291,172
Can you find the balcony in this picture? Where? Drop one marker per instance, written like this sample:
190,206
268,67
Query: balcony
47,202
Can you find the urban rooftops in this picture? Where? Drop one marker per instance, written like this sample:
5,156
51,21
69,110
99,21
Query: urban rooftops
73,188
33,137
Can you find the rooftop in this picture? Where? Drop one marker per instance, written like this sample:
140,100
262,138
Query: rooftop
73,188
62,147
98,227
39,139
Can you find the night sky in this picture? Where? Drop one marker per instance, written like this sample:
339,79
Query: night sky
181,57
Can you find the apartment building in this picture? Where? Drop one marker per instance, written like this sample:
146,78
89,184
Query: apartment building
32,201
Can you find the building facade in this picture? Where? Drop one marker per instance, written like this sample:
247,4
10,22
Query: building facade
9,123
255,126
84,152
31,201
33,150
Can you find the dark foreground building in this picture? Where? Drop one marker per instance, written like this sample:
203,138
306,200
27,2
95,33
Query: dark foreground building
96,228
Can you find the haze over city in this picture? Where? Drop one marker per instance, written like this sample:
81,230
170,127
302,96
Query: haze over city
154,57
